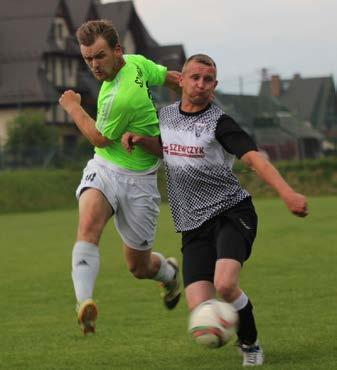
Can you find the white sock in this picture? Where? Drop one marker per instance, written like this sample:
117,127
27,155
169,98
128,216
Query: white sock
85,267
240,302
166,272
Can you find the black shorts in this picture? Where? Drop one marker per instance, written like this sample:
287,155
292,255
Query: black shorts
228,235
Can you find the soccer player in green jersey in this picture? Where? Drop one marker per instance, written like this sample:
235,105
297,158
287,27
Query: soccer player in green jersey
116,183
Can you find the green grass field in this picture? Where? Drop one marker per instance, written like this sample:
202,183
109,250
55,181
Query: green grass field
291,279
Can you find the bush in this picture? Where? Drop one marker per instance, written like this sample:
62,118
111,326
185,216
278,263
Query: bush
29,139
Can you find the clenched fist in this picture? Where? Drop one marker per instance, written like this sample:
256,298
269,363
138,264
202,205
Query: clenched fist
69,99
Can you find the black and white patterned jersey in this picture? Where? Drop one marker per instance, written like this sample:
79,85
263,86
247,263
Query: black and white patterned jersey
199,154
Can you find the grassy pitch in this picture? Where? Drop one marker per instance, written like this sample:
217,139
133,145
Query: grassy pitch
291,279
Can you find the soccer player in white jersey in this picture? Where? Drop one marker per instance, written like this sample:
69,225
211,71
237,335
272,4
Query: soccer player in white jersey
213,212
115,183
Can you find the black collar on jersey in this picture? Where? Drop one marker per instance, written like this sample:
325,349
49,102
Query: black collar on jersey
194,113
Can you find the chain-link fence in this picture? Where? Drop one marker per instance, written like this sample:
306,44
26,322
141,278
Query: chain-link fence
39,158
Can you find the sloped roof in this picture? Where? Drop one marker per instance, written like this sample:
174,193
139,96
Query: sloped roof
124,17
81,11
12,9
24,30
172,56
283,125
118,12
25,35
306,97
19,44
297,127
244,108
24,27
22,82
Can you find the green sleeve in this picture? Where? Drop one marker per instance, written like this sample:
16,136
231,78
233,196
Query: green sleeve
156,73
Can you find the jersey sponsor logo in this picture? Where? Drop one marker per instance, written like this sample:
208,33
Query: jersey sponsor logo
139,78
140,82
189,151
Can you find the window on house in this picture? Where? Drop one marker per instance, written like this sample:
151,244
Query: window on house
59,31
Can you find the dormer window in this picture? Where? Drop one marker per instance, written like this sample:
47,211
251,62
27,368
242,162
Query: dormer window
61,32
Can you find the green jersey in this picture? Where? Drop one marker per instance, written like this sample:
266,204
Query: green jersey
125,104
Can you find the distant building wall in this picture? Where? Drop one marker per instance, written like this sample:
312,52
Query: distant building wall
6,115
283,151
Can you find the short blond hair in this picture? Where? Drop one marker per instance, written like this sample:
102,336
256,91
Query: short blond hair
200,58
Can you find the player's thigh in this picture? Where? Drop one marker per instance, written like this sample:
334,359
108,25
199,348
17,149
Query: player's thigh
94,208
199,255
232,250
94,213
231,244
137,215
99,177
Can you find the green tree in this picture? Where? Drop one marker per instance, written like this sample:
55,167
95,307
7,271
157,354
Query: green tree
30,141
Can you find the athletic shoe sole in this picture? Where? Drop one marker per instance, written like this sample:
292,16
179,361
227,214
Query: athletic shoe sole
87,316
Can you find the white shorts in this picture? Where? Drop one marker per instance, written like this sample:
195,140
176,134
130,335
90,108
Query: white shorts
135,200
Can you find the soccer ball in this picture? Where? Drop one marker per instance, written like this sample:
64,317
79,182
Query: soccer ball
213,323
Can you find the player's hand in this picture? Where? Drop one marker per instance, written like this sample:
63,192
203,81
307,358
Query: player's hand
129,140
69,99
297,204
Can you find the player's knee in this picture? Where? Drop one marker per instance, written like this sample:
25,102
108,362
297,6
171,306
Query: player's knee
89,229
226,289
138,271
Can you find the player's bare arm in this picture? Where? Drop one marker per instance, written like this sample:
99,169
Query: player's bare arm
295,202
151,144
71,103
172,81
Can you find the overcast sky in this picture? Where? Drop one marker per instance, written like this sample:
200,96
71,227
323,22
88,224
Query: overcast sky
244,36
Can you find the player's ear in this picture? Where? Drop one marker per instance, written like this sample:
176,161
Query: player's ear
181,80
215,83
118,49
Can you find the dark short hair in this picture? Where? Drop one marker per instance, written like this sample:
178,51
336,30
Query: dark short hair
88,33
200,58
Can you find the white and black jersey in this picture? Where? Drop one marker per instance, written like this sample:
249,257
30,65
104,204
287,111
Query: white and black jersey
199,153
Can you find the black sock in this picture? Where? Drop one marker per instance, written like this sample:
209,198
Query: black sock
247,332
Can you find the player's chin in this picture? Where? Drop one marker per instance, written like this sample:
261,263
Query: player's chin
200,99
100,76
